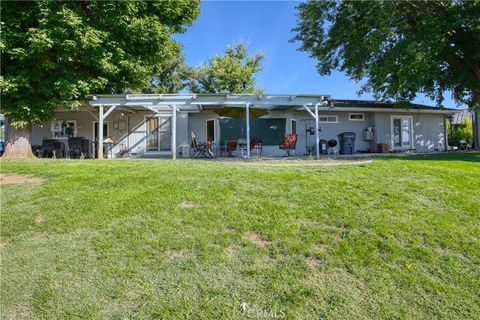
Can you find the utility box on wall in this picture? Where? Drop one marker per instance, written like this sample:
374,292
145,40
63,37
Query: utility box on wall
368,135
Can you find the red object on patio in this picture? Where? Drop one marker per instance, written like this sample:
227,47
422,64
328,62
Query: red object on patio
256,144
230,146
289,143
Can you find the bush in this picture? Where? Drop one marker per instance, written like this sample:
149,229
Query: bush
461,131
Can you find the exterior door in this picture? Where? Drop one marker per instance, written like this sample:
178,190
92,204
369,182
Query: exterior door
159,134
165,133
402,134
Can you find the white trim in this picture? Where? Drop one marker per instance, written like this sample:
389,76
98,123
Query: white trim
291,126
412,142
357,114
327,116
215,134
93,129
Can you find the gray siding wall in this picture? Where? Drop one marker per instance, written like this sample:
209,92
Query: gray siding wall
428,129
332,130
132,137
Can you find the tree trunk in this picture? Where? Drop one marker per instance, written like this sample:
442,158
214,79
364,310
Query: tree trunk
18,143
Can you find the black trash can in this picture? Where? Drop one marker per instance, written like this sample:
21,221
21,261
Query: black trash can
347,142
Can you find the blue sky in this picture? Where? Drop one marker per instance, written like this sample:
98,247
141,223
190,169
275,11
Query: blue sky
266,26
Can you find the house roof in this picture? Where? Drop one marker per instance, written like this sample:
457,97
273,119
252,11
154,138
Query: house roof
384,105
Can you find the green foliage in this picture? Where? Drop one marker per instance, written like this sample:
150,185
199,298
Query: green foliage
172,77
392,239
400,47
460,131
56,52
232,72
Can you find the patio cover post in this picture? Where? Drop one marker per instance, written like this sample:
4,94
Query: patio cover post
100,132
174,132
247,109
317,135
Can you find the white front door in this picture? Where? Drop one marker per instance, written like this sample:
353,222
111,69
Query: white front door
402,132
159,134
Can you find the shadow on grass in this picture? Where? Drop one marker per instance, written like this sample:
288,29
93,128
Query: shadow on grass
469,156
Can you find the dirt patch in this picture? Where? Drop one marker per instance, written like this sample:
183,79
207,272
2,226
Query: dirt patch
185,204
39,219
257,239
231,251
313,262
19,179
21,312
172,255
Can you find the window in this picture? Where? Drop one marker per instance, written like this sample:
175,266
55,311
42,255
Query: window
328,119
211,130
356,116
294,126
64,128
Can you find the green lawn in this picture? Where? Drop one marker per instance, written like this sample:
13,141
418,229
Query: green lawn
396,238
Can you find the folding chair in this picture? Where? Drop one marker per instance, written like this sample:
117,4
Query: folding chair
289,143
200,148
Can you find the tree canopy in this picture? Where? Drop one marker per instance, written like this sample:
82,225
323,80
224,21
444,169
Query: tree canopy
55,52
400,47
231,72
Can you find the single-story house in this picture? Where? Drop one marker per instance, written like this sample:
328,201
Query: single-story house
149,125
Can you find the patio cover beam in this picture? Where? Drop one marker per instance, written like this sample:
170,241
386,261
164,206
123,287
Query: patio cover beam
101,117
100,132
240,100
110,110
317,128
174,132
317,134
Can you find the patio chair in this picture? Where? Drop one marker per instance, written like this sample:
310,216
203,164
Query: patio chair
53,148
289,143
201,148
229,147
256,145
77,147
464,145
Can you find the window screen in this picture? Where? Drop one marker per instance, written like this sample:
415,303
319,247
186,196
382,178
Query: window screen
356,116
328,119
270,131
210,130
294,126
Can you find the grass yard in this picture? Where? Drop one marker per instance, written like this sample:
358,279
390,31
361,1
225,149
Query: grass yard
395,238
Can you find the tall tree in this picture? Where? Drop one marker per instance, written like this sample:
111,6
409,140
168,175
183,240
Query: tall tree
232,72
55,52
173,76
400,47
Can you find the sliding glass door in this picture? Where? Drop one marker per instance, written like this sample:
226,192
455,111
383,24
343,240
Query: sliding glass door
402,132
159,134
